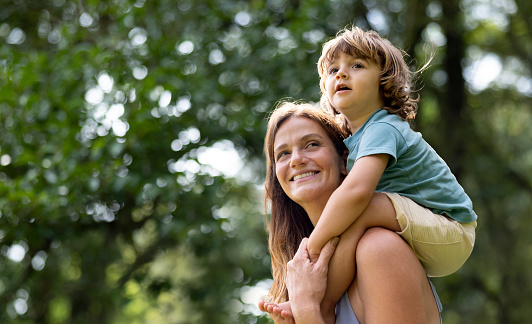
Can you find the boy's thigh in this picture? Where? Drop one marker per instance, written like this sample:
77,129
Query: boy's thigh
441,243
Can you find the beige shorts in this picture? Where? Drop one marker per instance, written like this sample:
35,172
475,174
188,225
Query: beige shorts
441,243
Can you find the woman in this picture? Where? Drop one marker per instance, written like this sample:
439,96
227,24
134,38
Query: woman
306,163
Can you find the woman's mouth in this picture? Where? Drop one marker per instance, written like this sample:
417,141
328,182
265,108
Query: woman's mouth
304,175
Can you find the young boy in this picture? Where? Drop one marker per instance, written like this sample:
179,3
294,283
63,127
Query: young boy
365,81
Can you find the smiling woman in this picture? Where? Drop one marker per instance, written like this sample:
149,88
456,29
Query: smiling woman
289,222
306,163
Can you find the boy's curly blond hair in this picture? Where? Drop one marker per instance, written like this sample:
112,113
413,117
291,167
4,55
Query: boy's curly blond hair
396,78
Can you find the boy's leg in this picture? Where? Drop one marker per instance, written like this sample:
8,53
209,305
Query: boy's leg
440,243
379,213
391,285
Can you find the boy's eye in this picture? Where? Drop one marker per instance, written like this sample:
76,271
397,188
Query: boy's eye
333,70
357,66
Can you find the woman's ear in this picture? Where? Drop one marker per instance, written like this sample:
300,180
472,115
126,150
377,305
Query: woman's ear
344,164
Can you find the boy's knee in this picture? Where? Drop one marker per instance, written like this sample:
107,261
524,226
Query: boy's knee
378,243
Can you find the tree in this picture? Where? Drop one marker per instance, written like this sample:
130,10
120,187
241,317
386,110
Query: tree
115,117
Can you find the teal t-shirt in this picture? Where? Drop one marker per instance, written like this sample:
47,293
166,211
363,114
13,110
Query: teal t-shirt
415,170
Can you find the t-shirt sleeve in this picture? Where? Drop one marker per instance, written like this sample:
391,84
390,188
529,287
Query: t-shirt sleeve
380,138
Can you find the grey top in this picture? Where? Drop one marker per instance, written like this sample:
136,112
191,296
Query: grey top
346,315
344,311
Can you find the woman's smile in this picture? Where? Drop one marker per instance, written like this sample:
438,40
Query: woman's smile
304,175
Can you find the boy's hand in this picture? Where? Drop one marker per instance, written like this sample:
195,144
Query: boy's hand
313,248
314,257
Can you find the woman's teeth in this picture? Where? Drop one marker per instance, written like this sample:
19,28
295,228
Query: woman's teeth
307,174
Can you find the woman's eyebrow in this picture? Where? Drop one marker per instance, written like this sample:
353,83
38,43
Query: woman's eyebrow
279,148
311,135
302,139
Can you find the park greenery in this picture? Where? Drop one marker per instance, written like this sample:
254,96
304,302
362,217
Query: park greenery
131,158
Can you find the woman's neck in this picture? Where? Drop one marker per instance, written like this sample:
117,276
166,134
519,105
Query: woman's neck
314,210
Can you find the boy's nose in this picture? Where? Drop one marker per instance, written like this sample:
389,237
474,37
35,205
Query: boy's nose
341,75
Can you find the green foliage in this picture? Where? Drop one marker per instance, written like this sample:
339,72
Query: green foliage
111,207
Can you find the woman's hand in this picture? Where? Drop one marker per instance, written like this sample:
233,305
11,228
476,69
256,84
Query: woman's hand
306,281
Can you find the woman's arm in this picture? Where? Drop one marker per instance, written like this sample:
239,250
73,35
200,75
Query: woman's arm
306,282
348,201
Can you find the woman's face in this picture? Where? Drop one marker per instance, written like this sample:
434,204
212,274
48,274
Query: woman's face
306,162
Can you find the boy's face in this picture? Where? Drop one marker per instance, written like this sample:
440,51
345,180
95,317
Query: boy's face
352,86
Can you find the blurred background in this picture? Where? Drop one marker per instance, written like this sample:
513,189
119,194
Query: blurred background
131,133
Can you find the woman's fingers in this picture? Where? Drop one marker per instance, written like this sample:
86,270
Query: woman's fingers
327,252
302,252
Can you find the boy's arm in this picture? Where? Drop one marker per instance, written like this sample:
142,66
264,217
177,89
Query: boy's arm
348,201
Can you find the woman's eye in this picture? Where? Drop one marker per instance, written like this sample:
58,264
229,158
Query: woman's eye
281,155
312,144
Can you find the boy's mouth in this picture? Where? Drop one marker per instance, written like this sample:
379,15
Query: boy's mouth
341,87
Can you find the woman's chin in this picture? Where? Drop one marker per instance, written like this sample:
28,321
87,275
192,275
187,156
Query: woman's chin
308,196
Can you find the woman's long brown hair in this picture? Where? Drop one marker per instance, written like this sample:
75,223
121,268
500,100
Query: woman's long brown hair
289,223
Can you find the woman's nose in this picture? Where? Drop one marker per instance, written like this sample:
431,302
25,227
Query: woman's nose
297,158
